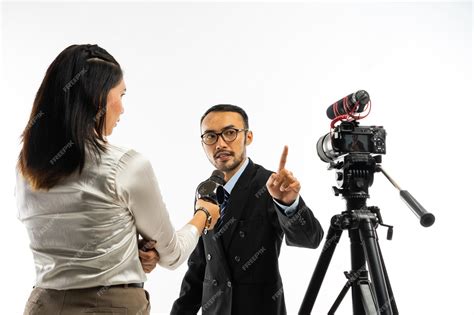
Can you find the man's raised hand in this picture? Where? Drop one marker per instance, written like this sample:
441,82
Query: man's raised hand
283,186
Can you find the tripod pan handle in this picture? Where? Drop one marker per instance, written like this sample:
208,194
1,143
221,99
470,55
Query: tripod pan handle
426,218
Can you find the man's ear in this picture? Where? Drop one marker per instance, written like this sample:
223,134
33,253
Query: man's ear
248,137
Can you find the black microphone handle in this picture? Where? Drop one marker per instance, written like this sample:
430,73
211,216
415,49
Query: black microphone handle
426,218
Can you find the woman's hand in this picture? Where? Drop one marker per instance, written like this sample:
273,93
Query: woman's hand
148,255
213,209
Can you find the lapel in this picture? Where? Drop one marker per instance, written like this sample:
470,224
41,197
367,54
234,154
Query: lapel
236,206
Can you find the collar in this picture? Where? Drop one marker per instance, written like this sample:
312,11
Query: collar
233,180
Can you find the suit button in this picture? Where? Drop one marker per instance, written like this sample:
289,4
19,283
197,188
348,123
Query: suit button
242,234
209,256
229,284
215,283
237,258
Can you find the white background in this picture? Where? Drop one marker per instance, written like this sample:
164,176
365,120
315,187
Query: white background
284,63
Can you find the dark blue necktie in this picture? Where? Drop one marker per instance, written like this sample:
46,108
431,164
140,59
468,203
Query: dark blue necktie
223,206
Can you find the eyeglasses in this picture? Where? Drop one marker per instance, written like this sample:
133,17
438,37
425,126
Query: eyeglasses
229,135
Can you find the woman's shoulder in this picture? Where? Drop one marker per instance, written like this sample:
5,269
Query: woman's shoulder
117,151
126,157
122,166
115,159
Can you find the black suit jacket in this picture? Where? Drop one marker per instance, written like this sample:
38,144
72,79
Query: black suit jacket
234,270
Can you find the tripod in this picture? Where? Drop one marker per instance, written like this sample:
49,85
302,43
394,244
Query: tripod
366,298
369,296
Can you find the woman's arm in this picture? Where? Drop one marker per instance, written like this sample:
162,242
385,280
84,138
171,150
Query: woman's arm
138,189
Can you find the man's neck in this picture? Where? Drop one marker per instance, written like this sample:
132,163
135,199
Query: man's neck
228,175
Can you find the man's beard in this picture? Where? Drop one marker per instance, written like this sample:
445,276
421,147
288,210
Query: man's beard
230,167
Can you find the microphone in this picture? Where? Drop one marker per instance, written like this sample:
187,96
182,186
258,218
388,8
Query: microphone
359,98
217,177
208,191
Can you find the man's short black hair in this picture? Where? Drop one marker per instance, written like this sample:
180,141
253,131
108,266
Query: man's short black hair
228,108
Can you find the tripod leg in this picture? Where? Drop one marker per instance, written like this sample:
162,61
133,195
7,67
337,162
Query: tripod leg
316,281
367,296
339,298
360,279
372,254
358,267
389,287
352,278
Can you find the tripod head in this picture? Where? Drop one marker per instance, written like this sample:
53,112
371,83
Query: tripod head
355,174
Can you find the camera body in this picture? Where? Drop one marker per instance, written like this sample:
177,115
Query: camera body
349,137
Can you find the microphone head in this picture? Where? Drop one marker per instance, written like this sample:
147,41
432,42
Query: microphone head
217,177
363,98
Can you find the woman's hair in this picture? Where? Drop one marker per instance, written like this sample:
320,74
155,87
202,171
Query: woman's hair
68,114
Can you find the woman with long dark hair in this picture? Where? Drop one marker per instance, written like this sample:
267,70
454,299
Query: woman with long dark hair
84,200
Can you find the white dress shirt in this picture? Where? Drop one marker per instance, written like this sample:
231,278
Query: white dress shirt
83,231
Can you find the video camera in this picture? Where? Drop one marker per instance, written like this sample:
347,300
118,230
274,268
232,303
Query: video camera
349,137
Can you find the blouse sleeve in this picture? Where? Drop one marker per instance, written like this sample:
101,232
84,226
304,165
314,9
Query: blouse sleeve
138,188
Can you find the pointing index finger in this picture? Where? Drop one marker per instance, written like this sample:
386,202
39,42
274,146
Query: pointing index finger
283,158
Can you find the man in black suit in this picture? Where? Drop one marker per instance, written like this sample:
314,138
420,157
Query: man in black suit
234,268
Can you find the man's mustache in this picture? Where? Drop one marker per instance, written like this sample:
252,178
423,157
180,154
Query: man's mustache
219,153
